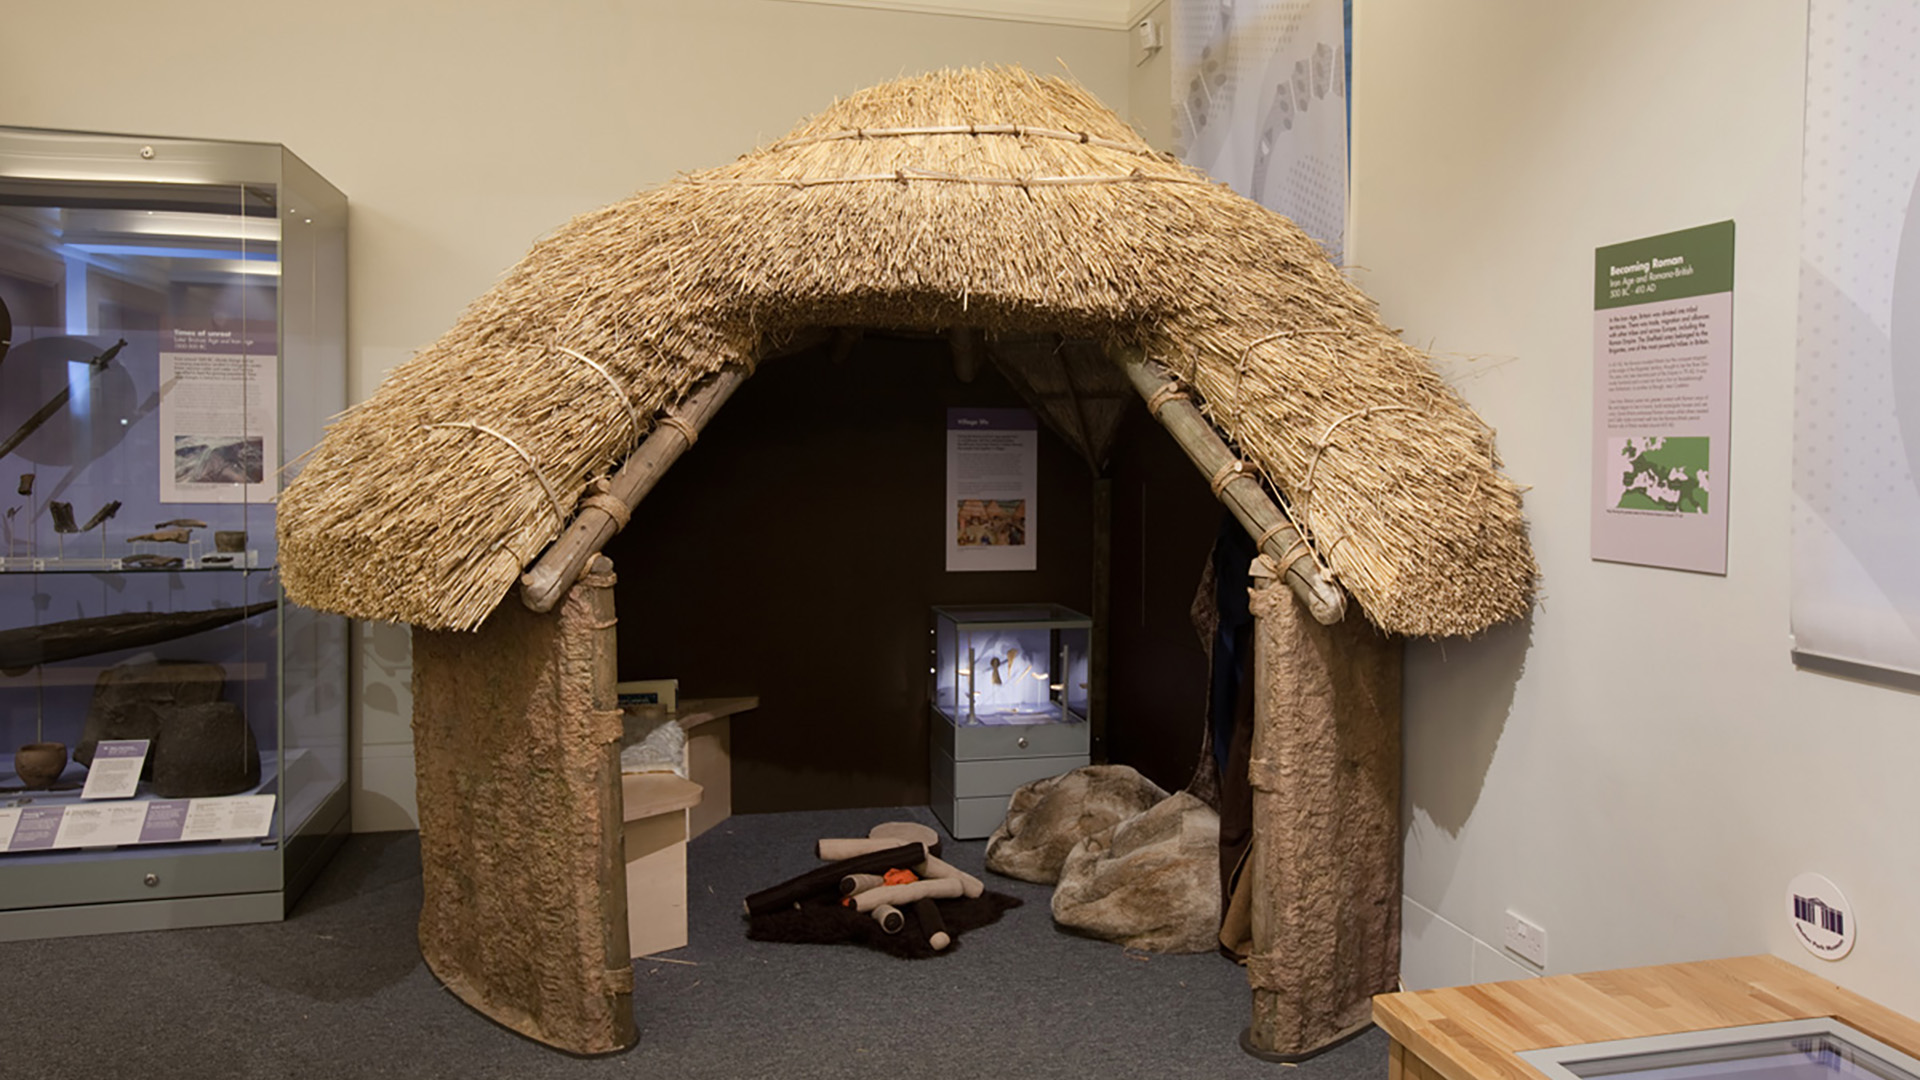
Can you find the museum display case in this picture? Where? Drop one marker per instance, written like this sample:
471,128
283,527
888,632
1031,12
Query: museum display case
173,732
1011,664
1009,697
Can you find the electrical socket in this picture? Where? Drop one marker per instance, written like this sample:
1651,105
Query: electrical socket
1148,38
1526,939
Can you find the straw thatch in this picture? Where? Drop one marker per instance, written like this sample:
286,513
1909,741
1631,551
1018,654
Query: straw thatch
1028,207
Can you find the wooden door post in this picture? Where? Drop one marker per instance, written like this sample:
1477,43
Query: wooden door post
1325,772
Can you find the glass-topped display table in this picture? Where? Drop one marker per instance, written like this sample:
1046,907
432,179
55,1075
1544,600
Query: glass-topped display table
1751,1018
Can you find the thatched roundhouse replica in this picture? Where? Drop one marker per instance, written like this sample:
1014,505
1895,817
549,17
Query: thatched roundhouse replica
983,205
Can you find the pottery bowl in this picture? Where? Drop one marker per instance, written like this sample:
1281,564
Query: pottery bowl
40,763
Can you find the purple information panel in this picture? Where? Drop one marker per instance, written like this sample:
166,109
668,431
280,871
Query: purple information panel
37,828
166,820
991,511
124,822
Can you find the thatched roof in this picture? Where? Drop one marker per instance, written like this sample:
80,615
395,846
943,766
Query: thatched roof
988,199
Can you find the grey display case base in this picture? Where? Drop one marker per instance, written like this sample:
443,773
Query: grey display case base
219,876
974,769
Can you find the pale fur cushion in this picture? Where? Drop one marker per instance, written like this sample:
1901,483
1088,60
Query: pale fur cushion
1151,882
1048,817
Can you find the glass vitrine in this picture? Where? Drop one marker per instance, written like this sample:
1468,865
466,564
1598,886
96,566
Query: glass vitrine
1009,696
173,732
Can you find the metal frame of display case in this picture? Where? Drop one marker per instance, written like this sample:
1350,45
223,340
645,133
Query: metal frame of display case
1719,1051
286,222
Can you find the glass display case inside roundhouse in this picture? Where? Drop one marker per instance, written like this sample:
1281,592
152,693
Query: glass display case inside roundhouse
1009,697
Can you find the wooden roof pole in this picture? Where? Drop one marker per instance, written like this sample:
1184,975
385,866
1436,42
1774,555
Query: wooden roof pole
543,586
1243,494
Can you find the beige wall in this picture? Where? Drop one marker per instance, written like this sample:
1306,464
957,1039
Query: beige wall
1638,768
1150,78
462,132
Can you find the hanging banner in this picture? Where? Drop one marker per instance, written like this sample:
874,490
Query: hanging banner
993,465
1662,399
1856,507
1260,104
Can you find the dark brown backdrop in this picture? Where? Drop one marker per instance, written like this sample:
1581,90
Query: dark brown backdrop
795,553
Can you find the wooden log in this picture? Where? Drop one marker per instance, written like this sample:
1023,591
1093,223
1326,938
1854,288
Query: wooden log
935,867
924,889
1325,864
889,918
859,883
1099,648
965,341
604,671
931,924
71,639
555,571
837,848
844,341
1243,494
828,878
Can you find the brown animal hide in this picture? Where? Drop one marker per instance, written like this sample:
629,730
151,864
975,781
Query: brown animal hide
1048,817
1151,882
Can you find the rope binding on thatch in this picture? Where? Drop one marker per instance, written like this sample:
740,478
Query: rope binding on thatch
620,395
1325,441
902,175
553,497
1024,131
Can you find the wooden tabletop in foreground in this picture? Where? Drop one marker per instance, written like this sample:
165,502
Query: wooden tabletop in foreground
1473,1032
645,794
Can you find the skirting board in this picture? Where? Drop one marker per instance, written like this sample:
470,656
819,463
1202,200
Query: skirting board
35,923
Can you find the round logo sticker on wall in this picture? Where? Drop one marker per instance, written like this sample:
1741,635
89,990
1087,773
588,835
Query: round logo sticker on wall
1822,919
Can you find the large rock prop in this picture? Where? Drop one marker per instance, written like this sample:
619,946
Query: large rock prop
204,751
1048,817
134,700
200,746
1150,882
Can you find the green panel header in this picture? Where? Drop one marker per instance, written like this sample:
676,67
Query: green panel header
1691,262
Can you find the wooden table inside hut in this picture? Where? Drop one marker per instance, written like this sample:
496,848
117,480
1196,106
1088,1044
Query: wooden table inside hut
1477,1032
661,811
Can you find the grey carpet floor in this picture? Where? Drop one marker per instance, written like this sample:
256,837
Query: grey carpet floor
339,991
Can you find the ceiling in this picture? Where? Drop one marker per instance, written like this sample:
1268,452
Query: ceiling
1101,14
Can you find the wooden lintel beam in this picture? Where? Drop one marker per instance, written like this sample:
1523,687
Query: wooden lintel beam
543,586
965,341
1243,495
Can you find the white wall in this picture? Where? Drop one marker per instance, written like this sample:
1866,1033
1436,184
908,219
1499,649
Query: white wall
1640,768
462,132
